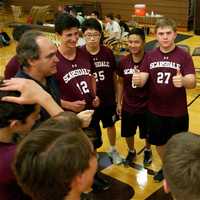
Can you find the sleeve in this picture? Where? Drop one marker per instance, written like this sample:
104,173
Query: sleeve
188,65
145,64
119,70
112,59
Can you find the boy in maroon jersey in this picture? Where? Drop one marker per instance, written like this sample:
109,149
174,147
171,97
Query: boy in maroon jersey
169,70
74,75
104,71
74,68
13,64
132,101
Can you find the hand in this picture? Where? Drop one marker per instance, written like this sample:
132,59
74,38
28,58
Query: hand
96,102
178,79
119,110
86,117
77,106
31,92
136,79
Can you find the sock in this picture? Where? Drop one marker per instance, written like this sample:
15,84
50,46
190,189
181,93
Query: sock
132,151
146,149
112,148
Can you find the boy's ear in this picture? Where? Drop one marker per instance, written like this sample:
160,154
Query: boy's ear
78,182
166,186
14,123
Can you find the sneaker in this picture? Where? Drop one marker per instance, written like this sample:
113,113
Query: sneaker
100,184
158,177
147,157
130,157
115,157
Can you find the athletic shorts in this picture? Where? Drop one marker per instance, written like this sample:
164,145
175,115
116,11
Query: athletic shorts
130,122
162,128
94,133
107,115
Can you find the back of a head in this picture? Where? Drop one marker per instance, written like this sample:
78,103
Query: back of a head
19,30
181,166
13,111
91,23
52,155
165,22
96,13
28,48
65,21
118,16
110,15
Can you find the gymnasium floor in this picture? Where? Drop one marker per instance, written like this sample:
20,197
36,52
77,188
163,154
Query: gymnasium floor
140,179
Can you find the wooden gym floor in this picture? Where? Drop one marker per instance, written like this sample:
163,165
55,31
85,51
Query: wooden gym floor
138,178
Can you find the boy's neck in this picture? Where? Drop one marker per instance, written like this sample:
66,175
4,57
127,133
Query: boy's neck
73,195
69,53
167,50
138,57
6,135
93,49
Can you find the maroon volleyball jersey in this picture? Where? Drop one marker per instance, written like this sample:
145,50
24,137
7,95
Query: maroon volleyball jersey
103,67
74,78
134,98
164,98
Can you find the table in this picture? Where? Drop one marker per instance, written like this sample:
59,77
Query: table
148,21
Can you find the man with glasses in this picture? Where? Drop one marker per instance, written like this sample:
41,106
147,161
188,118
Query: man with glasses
104,71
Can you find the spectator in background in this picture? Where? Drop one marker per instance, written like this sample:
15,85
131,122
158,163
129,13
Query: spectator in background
181,166
95,15
123,25
78,16
13,65
112,26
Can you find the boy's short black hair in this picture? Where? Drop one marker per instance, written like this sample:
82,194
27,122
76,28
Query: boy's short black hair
13,111
138,31
91,23
65,21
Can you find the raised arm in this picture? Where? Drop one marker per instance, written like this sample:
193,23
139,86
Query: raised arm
31,93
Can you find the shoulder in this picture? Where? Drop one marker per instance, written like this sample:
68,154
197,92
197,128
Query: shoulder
182,51
22,74
7,150
106,49
124,59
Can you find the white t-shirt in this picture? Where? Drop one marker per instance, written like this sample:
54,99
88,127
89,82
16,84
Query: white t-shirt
114,29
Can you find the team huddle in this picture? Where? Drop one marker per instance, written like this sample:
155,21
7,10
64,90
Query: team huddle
146,90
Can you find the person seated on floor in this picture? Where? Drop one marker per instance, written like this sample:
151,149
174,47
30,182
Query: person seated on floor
181,166
123,25
54,162
13,64
112,27
95,15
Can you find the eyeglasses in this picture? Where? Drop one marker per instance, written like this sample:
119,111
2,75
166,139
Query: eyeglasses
89,36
